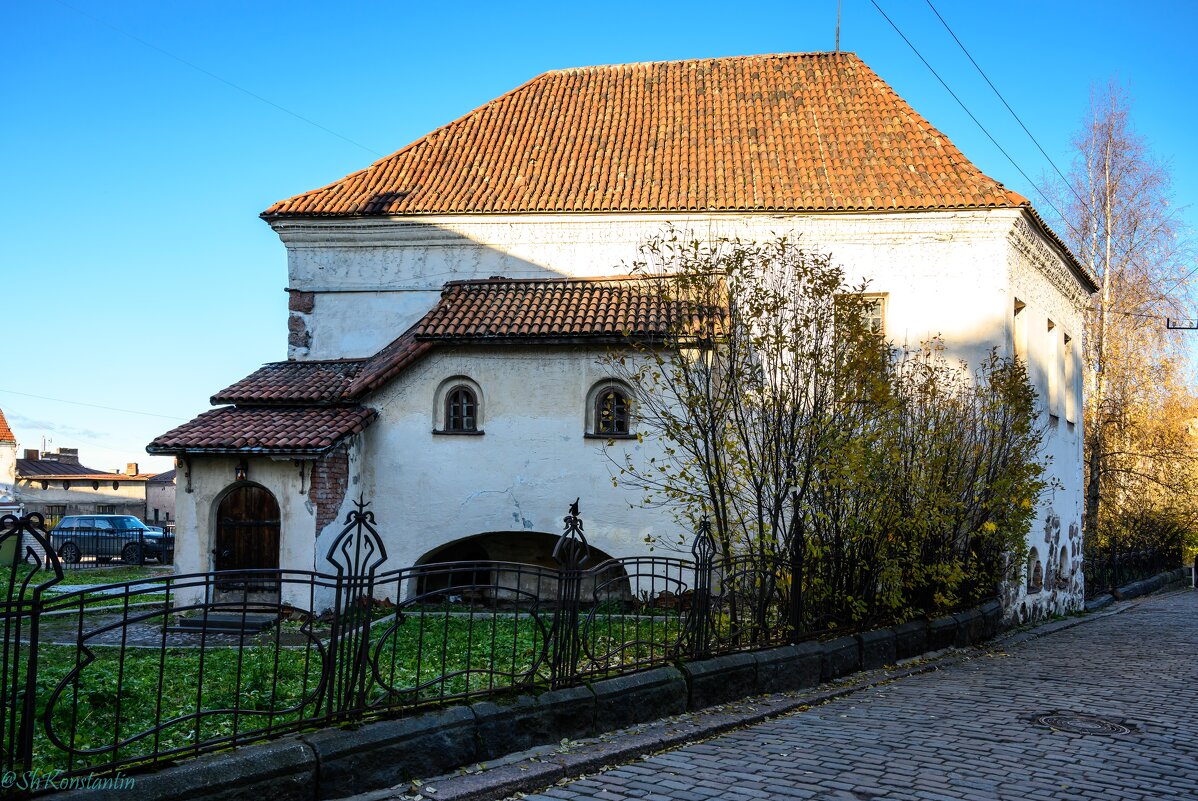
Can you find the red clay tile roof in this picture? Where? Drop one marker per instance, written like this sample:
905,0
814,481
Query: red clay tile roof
265,429
292,382
299,407
389,362
536,308
6,434
795,132
513,310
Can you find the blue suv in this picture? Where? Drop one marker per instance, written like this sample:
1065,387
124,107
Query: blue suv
107,537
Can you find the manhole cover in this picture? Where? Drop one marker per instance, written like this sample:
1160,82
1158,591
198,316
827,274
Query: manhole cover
1080,724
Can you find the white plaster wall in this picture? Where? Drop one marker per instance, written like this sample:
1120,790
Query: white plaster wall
945,271
211,479
952,274
1039,278
520,475
161,497
8,472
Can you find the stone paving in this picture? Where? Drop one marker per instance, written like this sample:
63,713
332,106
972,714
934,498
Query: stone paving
966,733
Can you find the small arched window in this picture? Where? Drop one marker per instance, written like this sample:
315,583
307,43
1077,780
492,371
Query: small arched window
1035,572
611,412
461,410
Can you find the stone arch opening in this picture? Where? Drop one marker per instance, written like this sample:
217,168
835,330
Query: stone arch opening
1035,571
484,568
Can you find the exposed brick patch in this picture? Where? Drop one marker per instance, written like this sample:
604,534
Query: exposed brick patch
330,480
297,332
301,301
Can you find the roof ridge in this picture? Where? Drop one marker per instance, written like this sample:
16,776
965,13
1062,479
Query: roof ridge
700,59
595,279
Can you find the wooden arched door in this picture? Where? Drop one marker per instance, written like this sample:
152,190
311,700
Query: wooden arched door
247,530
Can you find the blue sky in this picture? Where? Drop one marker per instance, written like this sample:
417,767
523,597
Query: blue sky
139,277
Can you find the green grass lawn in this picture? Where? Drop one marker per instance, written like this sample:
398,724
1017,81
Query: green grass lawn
275,680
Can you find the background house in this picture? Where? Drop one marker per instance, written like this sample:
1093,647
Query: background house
160,499
56,484
8,470
442,342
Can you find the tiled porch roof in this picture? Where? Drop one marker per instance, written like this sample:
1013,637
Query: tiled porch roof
491,311
266,430
308,407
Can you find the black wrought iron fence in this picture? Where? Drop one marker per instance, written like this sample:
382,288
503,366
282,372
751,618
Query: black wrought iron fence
1106,569
100,678
81,548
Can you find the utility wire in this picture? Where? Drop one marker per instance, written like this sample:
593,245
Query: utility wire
1002,150
965,108
216,77
998,94
1036,142
92,405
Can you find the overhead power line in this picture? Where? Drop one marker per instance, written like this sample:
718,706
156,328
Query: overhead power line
998,94
965,108
216,77
91,405
993,140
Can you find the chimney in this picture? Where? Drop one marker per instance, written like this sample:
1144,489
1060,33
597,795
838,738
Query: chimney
64,456
32,453
131,469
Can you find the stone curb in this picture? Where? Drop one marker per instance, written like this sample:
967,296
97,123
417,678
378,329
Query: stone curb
334,761
541,768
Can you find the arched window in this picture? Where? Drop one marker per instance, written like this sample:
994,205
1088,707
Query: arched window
612,412
1035,572
459,406
461,410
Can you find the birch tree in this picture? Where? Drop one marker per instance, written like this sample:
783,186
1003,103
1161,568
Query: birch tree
1120,219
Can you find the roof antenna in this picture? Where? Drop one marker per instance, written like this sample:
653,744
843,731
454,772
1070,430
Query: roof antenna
838,27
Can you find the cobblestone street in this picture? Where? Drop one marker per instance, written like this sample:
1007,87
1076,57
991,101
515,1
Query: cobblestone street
968,731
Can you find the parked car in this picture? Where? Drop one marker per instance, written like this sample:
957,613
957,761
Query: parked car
107,537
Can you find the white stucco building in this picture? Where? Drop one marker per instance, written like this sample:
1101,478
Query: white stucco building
448,305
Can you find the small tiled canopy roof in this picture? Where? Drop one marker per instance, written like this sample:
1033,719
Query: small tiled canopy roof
493,310
265,430
308,407
6,434
786,132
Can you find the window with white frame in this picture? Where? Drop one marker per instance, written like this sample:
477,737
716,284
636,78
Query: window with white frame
458,407
609,411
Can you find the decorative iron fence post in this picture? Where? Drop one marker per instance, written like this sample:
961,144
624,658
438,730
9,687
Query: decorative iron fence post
703,549
357,553
21,609
572,554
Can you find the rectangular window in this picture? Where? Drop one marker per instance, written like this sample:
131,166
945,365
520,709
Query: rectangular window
875,314
105,510
1070,381
1052,366
872,309
1019,331
54,513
